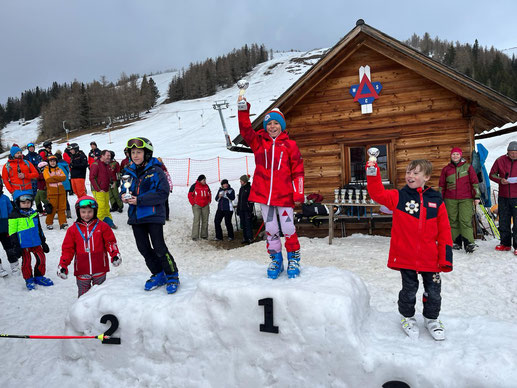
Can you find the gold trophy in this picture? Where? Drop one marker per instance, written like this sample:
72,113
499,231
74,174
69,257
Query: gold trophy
242,85
373,152
127,185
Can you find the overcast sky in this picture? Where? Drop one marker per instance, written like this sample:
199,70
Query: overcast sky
62,40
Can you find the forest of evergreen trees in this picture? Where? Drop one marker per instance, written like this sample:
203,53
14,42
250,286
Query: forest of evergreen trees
87,105
82,105
203,79
488,66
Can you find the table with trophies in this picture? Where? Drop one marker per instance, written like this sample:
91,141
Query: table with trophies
350,203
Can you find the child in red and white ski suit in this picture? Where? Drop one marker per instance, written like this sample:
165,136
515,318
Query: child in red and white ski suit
277,185
421,242
91,242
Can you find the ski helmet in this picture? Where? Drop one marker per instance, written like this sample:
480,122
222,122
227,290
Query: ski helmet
21,196
47,144
74,146
142,143
86,202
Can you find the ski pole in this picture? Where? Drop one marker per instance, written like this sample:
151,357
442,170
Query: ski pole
100,336
261,226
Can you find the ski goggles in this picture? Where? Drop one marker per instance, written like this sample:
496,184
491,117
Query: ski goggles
26,197
88,203
138,143
31,145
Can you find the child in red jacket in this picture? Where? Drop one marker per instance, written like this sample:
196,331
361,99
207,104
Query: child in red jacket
277,186
89,241
421,243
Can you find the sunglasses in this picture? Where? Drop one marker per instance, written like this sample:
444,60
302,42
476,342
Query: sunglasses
138,143
25,198
88,203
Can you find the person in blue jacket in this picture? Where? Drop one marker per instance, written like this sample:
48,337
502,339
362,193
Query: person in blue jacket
6,208
27,236
225,196
146,199
34,158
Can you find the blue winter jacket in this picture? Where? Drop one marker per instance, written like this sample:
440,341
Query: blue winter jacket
6,207
33,157
63,165
29,232
149,184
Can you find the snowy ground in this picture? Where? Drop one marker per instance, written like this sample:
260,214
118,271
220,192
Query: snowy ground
338,322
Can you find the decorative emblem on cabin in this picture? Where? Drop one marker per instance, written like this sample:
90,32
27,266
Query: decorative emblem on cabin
367,91
412,207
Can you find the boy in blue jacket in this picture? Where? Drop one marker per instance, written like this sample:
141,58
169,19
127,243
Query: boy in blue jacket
5,209
27,236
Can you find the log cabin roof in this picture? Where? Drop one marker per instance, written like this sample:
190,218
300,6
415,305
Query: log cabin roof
488,107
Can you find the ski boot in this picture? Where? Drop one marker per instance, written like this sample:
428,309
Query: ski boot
173,283
3,272
43,281
15,268
470,247
293,264
410,327
435,328
68,213
502,247
30,284
155,281
276,266
63,226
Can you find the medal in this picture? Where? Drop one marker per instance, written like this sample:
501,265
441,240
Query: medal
87,250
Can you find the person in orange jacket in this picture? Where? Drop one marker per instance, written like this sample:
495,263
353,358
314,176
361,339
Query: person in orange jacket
56,194
18,173
200,196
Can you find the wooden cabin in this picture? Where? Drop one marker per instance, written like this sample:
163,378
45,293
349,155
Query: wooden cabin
423,110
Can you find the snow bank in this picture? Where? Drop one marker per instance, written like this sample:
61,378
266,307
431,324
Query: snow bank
208,335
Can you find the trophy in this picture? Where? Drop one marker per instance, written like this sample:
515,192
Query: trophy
364,192
127,185
350,194
357,195
343,195
373,152
336,195
242,85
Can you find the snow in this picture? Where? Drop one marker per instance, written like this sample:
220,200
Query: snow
338,323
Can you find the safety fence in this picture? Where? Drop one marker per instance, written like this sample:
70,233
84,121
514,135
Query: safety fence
184,172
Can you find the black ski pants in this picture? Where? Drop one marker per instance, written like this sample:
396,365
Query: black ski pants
227,215
157,256
9,248
247,229
432,299
507,209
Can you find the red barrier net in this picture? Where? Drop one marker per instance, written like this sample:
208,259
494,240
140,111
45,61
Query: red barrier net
184,172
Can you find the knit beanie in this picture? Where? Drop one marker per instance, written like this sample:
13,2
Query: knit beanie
512,146
458,150
276,115
201,177
224,182
245,178
15,150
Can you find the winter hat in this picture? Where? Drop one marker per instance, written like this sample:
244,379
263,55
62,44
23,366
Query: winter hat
458,150
276,115
224,181
201,177
245,178
15,150
512,146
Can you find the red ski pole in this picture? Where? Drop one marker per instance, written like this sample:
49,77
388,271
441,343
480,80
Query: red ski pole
100,337
258,231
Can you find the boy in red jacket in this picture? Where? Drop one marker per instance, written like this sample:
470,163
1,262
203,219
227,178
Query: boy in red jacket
90,241
421,243
277,186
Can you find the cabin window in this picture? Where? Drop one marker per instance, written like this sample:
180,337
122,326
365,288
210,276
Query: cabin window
359,156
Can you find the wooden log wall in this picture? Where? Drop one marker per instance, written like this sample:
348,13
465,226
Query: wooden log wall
420,118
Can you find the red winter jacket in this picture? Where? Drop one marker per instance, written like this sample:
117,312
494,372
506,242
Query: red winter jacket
420,233
10,175
279,174
459,181
100,176
101,244
199,194
504,167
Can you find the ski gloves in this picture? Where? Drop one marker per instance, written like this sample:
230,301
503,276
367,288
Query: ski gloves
116,260
62,272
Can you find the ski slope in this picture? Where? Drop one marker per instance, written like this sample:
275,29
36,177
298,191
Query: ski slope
338,323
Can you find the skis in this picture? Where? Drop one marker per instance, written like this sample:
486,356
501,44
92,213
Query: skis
490,221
